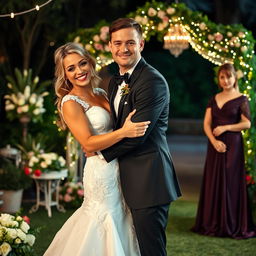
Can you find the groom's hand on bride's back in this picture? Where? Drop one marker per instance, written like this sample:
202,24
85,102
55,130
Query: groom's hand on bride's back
88,154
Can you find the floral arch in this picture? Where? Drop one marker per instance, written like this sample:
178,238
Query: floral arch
216,42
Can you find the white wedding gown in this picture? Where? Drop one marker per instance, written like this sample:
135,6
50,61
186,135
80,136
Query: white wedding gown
102,226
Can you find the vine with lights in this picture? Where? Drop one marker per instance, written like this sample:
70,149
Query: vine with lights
215,42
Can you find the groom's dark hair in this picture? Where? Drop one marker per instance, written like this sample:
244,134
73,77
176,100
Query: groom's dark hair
124,23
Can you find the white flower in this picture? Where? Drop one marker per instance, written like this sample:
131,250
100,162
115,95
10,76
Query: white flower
96,38
24,226
14,98
17,241
32,161
32,99
40,101
241,34
30,239
9,107
138,19
62,161
170,10
25,108
239,73
152,12
210,37
6,219
19,218
88,47
12,233
244,48
25,72
42,110
9,85
77,39
44,94
27,92
144,20
36,80
21,99
229,34
36,111
237,44
161,14
43,165
5,248
21,234
202,26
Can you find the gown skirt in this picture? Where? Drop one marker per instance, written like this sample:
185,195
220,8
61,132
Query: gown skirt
102,226
224,209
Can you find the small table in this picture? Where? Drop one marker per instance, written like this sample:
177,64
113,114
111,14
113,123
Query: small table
48,183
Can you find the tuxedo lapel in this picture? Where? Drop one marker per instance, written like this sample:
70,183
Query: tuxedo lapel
114,87
134,76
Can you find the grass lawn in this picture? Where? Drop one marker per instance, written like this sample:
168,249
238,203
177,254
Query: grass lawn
180,240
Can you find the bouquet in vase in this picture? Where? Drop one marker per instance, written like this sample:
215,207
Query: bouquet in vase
25,96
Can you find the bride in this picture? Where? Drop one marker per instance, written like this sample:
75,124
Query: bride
102,226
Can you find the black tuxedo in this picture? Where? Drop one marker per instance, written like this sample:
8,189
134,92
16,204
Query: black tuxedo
147,174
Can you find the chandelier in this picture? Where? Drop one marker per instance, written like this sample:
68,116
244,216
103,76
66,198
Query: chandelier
176,40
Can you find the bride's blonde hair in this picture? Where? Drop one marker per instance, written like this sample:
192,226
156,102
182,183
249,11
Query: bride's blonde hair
62,84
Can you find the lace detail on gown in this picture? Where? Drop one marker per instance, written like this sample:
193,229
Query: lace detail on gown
103,225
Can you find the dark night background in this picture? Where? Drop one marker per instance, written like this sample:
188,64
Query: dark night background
29,41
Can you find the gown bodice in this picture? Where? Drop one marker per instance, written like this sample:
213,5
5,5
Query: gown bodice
99,118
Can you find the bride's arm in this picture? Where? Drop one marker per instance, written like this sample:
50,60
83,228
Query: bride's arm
78,124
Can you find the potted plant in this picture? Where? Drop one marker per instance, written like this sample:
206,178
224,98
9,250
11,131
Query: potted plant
12,181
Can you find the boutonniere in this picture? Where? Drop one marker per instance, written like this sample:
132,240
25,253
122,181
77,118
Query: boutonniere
125,90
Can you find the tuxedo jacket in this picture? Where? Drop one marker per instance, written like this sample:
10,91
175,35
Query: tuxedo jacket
146,170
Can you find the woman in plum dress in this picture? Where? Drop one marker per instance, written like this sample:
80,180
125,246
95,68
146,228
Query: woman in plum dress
103,225
223,209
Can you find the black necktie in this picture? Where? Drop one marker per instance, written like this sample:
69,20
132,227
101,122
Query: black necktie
120,78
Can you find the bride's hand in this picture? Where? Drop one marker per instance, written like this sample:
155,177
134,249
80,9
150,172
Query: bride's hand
131,129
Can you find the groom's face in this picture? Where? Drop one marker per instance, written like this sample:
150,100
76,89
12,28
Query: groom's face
126,46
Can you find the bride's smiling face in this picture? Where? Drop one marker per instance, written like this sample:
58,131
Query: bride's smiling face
77,69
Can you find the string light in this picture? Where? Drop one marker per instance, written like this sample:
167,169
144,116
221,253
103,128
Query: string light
14,14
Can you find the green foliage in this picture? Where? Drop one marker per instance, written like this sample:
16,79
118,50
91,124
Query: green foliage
12,177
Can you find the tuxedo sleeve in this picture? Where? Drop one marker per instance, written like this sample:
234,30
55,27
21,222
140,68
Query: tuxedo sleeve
151,99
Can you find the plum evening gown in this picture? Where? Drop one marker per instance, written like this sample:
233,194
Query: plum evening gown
103,225
223,209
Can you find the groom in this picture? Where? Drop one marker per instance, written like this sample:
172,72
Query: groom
147,174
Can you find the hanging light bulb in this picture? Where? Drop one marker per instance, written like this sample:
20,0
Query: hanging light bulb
176,40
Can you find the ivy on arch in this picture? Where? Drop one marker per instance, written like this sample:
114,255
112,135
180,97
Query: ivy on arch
216,42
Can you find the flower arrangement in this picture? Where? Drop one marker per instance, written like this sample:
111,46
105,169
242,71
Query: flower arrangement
71,194
36,160
16,236
25,96
43,162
